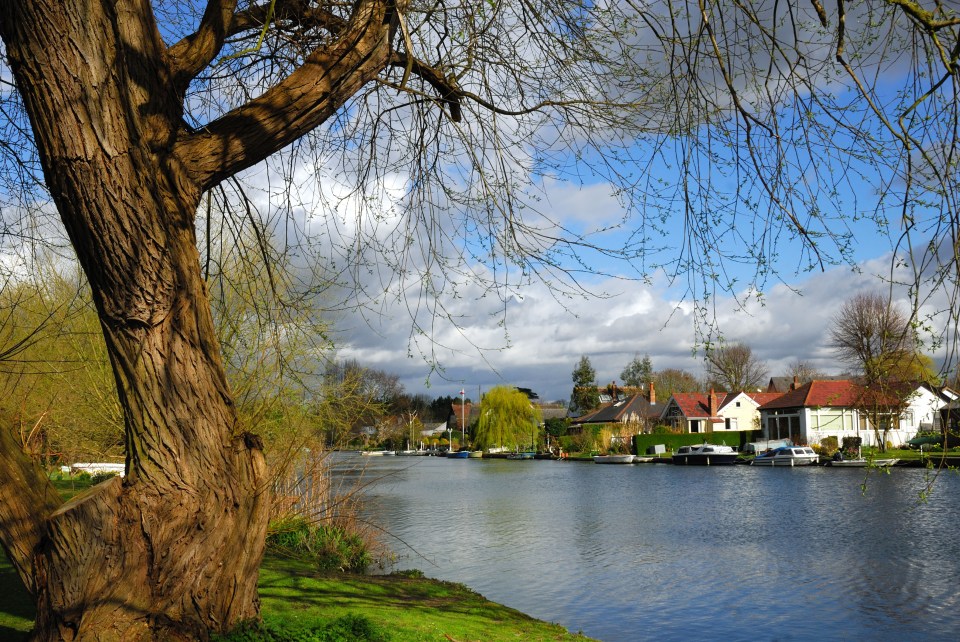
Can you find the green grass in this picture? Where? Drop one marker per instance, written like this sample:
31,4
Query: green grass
16,607
294,596
408,608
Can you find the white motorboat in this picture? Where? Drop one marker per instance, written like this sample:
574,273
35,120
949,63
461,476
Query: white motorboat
613,459
705,455
787,456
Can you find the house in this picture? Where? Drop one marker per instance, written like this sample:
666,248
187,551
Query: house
844,408
698,412
636,409
924,406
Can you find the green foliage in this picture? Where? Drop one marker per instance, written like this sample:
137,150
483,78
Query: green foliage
557,426
329,546
507,419
584,396
638,372
101,476
829,444
851,447
735,438
663,429
349,628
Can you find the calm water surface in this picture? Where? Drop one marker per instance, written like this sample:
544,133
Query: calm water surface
662,552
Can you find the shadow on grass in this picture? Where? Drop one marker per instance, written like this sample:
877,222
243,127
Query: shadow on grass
16,606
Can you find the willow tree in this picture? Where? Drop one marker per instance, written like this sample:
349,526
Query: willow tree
405,148
507,419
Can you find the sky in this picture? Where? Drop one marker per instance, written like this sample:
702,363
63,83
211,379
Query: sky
541,340
531,335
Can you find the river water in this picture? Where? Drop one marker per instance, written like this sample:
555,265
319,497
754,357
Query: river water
654,551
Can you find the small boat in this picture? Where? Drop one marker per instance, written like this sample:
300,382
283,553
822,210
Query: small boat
458,454
476,454
516,456
705,455
638,459
787,456
613,459
375,453
863,463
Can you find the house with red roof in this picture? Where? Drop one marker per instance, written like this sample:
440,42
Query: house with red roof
698,412
843,408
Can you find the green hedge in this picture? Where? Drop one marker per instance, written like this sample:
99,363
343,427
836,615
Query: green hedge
736,438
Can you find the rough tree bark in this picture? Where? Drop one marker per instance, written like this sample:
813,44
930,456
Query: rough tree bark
173,551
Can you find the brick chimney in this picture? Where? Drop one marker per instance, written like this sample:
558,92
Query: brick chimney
653,394
795,384
712,403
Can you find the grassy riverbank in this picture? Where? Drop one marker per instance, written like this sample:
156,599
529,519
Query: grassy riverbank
295,598
399,608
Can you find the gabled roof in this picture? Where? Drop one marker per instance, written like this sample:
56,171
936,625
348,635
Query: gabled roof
763,397
697,404
786,384
833,394
635,404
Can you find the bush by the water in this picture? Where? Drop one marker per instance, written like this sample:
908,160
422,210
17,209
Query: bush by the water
349,628
330,546
101,476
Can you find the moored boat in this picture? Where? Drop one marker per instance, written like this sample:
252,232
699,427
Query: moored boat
476,454
521,455
787,456
863,463
613,459
705,455
458,454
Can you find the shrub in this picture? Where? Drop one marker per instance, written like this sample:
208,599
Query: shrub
830,444
663,429
329,546
101,476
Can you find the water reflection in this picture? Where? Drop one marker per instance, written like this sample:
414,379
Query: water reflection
654,551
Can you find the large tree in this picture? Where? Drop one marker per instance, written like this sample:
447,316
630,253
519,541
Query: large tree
125,113
584,395
638,372
734,368
874,336
507,420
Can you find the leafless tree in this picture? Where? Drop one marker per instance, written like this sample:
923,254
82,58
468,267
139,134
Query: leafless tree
734,368
803,371
872,335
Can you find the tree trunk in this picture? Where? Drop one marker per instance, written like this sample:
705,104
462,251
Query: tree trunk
172,552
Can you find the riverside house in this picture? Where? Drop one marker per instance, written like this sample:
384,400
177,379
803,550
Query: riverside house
698,412
843,408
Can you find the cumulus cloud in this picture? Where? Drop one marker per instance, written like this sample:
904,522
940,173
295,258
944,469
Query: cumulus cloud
536,341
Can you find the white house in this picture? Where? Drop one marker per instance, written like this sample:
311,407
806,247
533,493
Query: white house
715,411
821,409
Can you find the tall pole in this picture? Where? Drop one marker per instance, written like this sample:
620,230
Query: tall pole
463,416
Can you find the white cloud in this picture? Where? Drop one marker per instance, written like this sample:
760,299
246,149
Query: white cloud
547,338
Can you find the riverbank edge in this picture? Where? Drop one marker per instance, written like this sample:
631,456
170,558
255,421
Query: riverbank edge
408,607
